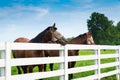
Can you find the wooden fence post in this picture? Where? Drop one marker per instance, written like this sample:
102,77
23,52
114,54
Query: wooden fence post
61,52
97,62
2,69
7,61
66,62
118,67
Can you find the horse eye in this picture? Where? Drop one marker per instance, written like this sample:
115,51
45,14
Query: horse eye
55,28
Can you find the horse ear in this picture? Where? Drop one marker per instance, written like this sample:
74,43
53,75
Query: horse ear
88,33
54,25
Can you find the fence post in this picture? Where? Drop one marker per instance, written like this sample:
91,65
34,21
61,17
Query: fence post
66,62
118,67
7,61
2,69
97,62
61,53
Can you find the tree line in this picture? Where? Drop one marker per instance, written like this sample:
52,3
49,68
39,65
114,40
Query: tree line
103,30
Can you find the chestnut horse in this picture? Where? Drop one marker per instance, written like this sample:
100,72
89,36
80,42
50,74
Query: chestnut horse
49,34
85,38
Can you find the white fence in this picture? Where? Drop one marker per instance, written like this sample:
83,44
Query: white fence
6,62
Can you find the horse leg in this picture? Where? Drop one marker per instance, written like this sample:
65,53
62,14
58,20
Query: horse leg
30,68
73,64
41,69
24,69
19,71
70,66
45,65
51,66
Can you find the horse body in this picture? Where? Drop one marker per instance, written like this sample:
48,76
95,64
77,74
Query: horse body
47,35
20,53
81,39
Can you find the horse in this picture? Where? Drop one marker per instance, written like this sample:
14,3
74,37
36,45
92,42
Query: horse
49,34
85,38
20,53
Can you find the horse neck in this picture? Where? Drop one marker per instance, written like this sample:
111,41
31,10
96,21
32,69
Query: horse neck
78,40
39,38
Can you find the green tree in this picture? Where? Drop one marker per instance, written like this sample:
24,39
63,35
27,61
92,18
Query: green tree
118,33
101,28
118,26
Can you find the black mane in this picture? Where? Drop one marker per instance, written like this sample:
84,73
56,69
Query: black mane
39,37
82,35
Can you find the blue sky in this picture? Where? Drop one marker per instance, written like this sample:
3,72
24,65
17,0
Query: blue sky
27,18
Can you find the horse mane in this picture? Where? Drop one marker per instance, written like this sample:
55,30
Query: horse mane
82,35
39,37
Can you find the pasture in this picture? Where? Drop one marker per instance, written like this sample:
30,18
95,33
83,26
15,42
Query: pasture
83,63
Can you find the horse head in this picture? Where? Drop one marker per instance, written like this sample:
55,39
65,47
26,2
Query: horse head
54,36
89,38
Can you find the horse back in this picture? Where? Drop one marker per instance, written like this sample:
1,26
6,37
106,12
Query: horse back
20,53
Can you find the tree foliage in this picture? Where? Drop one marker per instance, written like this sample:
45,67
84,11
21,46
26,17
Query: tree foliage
103,30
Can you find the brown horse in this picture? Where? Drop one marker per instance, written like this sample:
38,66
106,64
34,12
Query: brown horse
49,34
85,38
20,53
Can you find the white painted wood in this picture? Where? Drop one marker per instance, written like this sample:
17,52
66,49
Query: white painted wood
37,75
30,61
82,69
61,52
2,78
78,58
108,47
109,73
35,46
96,62
119,62
109,56
109,64
66,63
99,63
2,59
81,47
2,63
117,66
63,60
7,61
2,46
91,77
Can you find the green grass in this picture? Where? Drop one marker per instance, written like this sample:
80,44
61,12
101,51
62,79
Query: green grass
82,63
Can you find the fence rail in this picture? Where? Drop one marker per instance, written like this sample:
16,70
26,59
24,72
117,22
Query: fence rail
6,62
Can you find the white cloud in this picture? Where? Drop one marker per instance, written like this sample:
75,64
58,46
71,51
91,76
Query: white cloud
70,24
41,12
16,20
22,11
12,31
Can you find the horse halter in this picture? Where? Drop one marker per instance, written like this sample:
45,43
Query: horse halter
58,38
89,39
